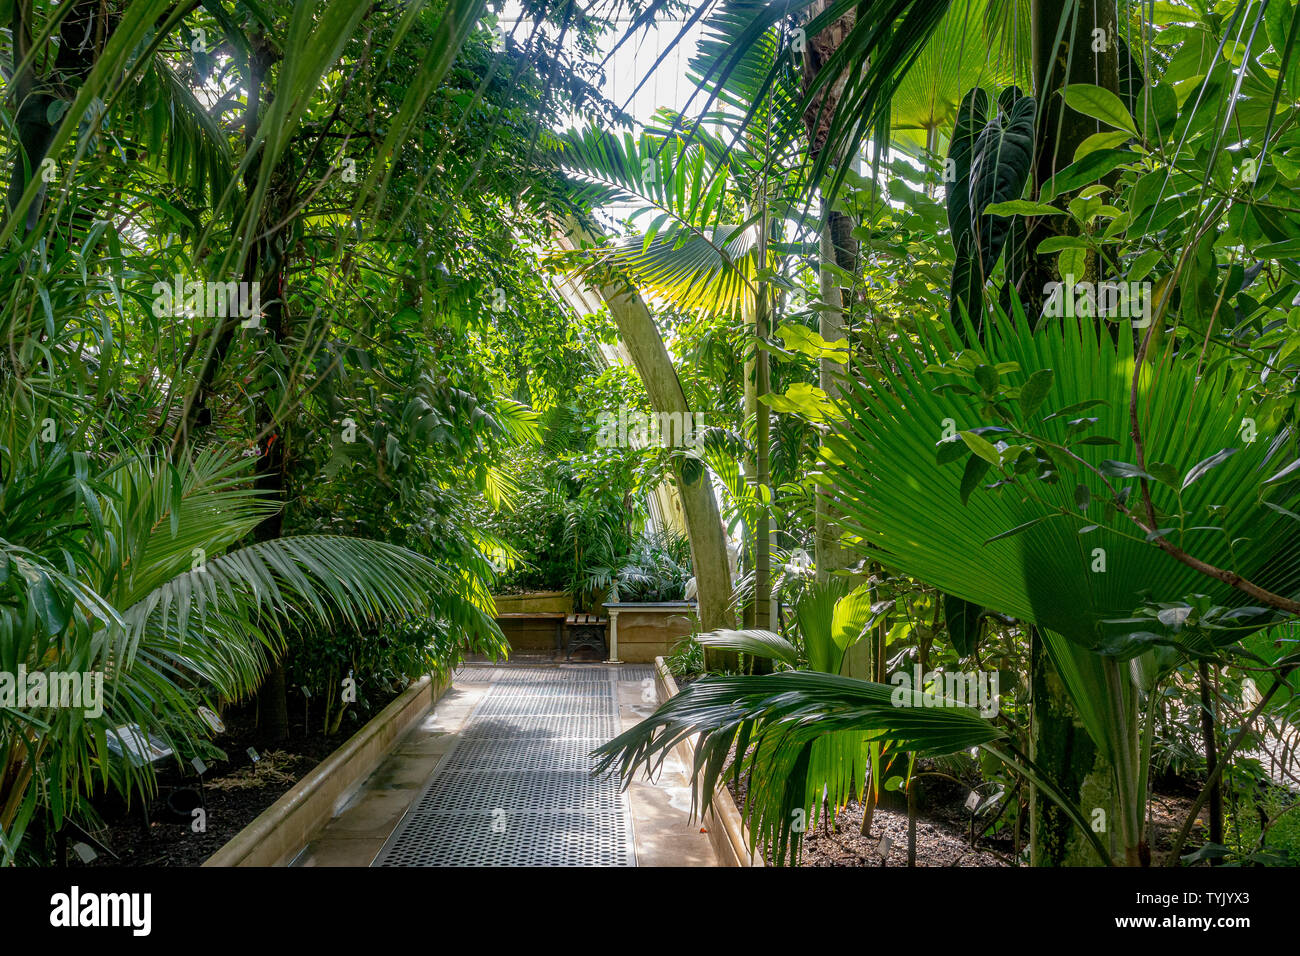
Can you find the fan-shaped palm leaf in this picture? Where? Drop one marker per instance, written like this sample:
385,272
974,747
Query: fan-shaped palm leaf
1073,564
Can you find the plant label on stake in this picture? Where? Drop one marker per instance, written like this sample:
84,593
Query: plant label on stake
84,852
209,717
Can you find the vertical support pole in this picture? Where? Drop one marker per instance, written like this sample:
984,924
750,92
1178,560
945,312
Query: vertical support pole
613,637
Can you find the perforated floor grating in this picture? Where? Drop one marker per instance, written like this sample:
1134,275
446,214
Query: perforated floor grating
536,705
602,727
506,839
566,689
517,790
551,675
535,754
475,675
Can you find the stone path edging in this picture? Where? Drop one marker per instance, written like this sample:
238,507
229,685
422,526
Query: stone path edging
726,829
280,831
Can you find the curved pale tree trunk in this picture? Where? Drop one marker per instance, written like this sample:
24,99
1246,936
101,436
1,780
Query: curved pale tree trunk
641,336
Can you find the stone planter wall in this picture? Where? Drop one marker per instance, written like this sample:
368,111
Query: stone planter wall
644,632
534,602
282,830
531,636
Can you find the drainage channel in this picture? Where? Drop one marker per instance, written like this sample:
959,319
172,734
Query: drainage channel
517,790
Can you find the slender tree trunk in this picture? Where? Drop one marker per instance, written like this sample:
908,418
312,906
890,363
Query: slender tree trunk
1059,743
196,412
749,530
1088,53
1208,712
273,704
269,266
830,554
271,477
763,458
82,35
837,247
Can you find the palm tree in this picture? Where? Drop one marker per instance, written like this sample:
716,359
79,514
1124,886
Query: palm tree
133,570
863,74
1053,544
706,250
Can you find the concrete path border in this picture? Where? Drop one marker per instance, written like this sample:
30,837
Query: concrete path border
281,831
726,828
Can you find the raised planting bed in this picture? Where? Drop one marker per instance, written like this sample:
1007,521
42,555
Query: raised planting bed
235,790
726,830
534,602
533,622
284,828
640,633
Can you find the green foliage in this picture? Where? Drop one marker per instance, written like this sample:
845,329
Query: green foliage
686,659
989,162
187,497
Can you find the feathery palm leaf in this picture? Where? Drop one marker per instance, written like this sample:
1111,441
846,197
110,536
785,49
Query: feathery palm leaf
782,717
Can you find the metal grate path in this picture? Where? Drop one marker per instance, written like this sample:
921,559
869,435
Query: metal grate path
517,788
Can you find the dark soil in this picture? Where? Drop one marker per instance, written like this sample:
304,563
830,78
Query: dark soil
937,843
943,834
234,792
513,588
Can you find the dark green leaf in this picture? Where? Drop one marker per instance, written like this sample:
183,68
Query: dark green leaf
963,620
1201,467
1034,392
976,468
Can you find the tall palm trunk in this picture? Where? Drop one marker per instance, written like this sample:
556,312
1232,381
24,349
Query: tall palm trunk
763,437
271,477
82,35
1059,743
840,249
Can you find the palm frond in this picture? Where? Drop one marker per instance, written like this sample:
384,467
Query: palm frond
783,718
902,503
756,642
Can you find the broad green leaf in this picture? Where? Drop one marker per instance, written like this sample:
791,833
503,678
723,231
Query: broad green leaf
1022,207
1200,468
1035,390
982,448
1101,104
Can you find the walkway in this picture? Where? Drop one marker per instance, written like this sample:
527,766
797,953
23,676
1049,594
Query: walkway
499,775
